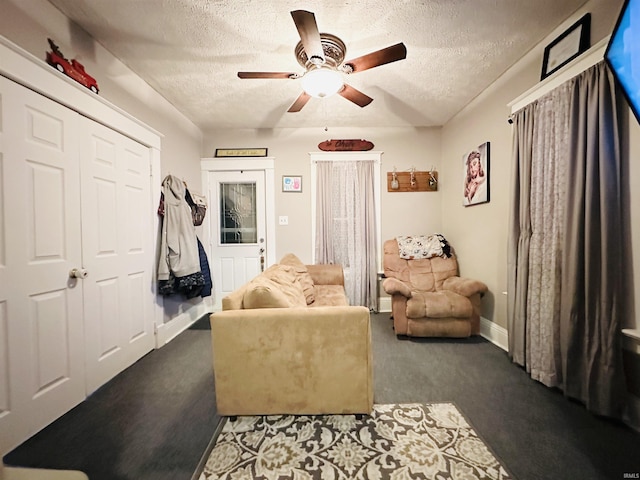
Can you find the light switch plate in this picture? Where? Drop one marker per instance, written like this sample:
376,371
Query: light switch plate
283,220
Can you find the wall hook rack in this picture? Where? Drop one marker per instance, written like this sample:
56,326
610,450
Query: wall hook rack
412,181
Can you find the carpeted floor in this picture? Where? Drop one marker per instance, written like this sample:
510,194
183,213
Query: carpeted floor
151,422
431,441
155,420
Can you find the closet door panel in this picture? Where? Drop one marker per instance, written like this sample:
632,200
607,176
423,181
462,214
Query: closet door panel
117,251
41,328
4,278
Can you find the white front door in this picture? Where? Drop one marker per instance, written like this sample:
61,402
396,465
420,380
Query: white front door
116,251
41,325
237,228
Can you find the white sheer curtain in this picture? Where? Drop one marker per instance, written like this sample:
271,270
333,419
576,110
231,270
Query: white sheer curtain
547,205
346,225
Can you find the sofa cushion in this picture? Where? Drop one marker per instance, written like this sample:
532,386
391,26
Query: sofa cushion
303,275
264,293
276,287
438,305
394,266
288,282
443,268
423,274
326,274
330,296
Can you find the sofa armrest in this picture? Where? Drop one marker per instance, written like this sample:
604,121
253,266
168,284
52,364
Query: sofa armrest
326,274
464,286
394,286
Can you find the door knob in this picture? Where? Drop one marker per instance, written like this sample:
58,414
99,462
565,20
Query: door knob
78,273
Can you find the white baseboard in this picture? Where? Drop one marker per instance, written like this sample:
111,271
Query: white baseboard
166,332
494,333
384,304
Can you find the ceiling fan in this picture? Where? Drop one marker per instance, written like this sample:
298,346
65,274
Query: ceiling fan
322,56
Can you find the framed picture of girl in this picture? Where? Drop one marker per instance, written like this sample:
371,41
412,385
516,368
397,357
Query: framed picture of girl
476,176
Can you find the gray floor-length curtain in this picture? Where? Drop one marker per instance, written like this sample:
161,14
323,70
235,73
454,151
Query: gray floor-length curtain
346,225
369,253
566,247
595,251
520,233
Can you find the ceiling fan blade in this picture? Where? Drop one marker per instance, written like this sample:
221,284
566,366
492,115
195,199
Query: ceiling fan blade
300,102
266,75
308,30
355,96
377,58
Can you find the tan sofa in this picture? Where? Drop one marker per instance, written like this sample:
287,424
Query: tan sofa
428,298
287,342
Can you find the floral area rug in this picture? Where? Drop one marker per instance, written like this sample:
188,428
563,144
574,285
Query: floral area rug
399,442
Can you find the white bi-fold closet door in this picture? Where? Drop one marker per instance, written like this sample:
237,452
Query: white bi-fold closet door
117,251
75,195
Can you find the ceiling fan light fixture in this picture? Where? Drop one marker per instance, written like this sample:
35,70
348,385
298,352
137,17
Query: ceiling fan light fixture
316,60
322,82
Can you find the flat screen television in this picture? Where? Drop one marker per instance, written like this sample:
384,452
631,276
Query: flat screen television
623,53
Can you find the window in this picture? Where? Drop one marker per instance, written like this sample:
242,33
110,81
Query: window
238,221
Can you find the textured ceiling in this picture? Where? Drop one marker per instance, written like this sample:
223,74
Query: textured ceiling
191,50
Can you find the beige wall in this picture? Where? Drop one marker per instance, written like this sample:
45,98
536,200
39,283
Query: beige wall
401,213
28,23
480,232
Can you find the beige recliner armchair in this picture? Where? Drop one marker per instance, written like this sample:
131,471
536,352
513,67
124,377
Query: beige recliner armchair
428,298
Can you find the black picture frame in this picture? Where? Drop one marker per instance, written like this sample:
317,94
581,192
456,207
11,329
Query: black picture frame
573,42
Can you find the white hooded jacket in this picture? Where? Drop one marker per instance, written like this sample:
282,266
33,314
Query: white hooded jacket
178,244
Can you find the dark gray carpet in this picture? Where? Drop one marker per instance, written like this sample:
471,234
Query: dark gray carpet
151,422
155,420
534,430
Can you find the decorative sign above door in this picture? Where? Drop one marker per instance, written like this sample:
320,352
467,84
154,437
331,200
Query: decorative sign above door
345,145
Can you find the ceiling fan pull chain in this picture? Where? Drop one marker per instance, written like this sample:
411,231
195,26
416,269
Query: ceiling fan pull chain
324,114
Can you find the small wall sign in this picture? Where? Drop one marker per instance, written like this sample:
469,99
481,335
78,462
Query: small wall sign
241,152
351,145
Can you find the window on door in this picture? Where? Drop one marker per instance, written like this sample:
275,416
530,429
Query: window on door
238,219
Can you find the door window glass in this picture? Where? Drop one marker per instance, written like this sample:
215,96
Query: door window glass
238,213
